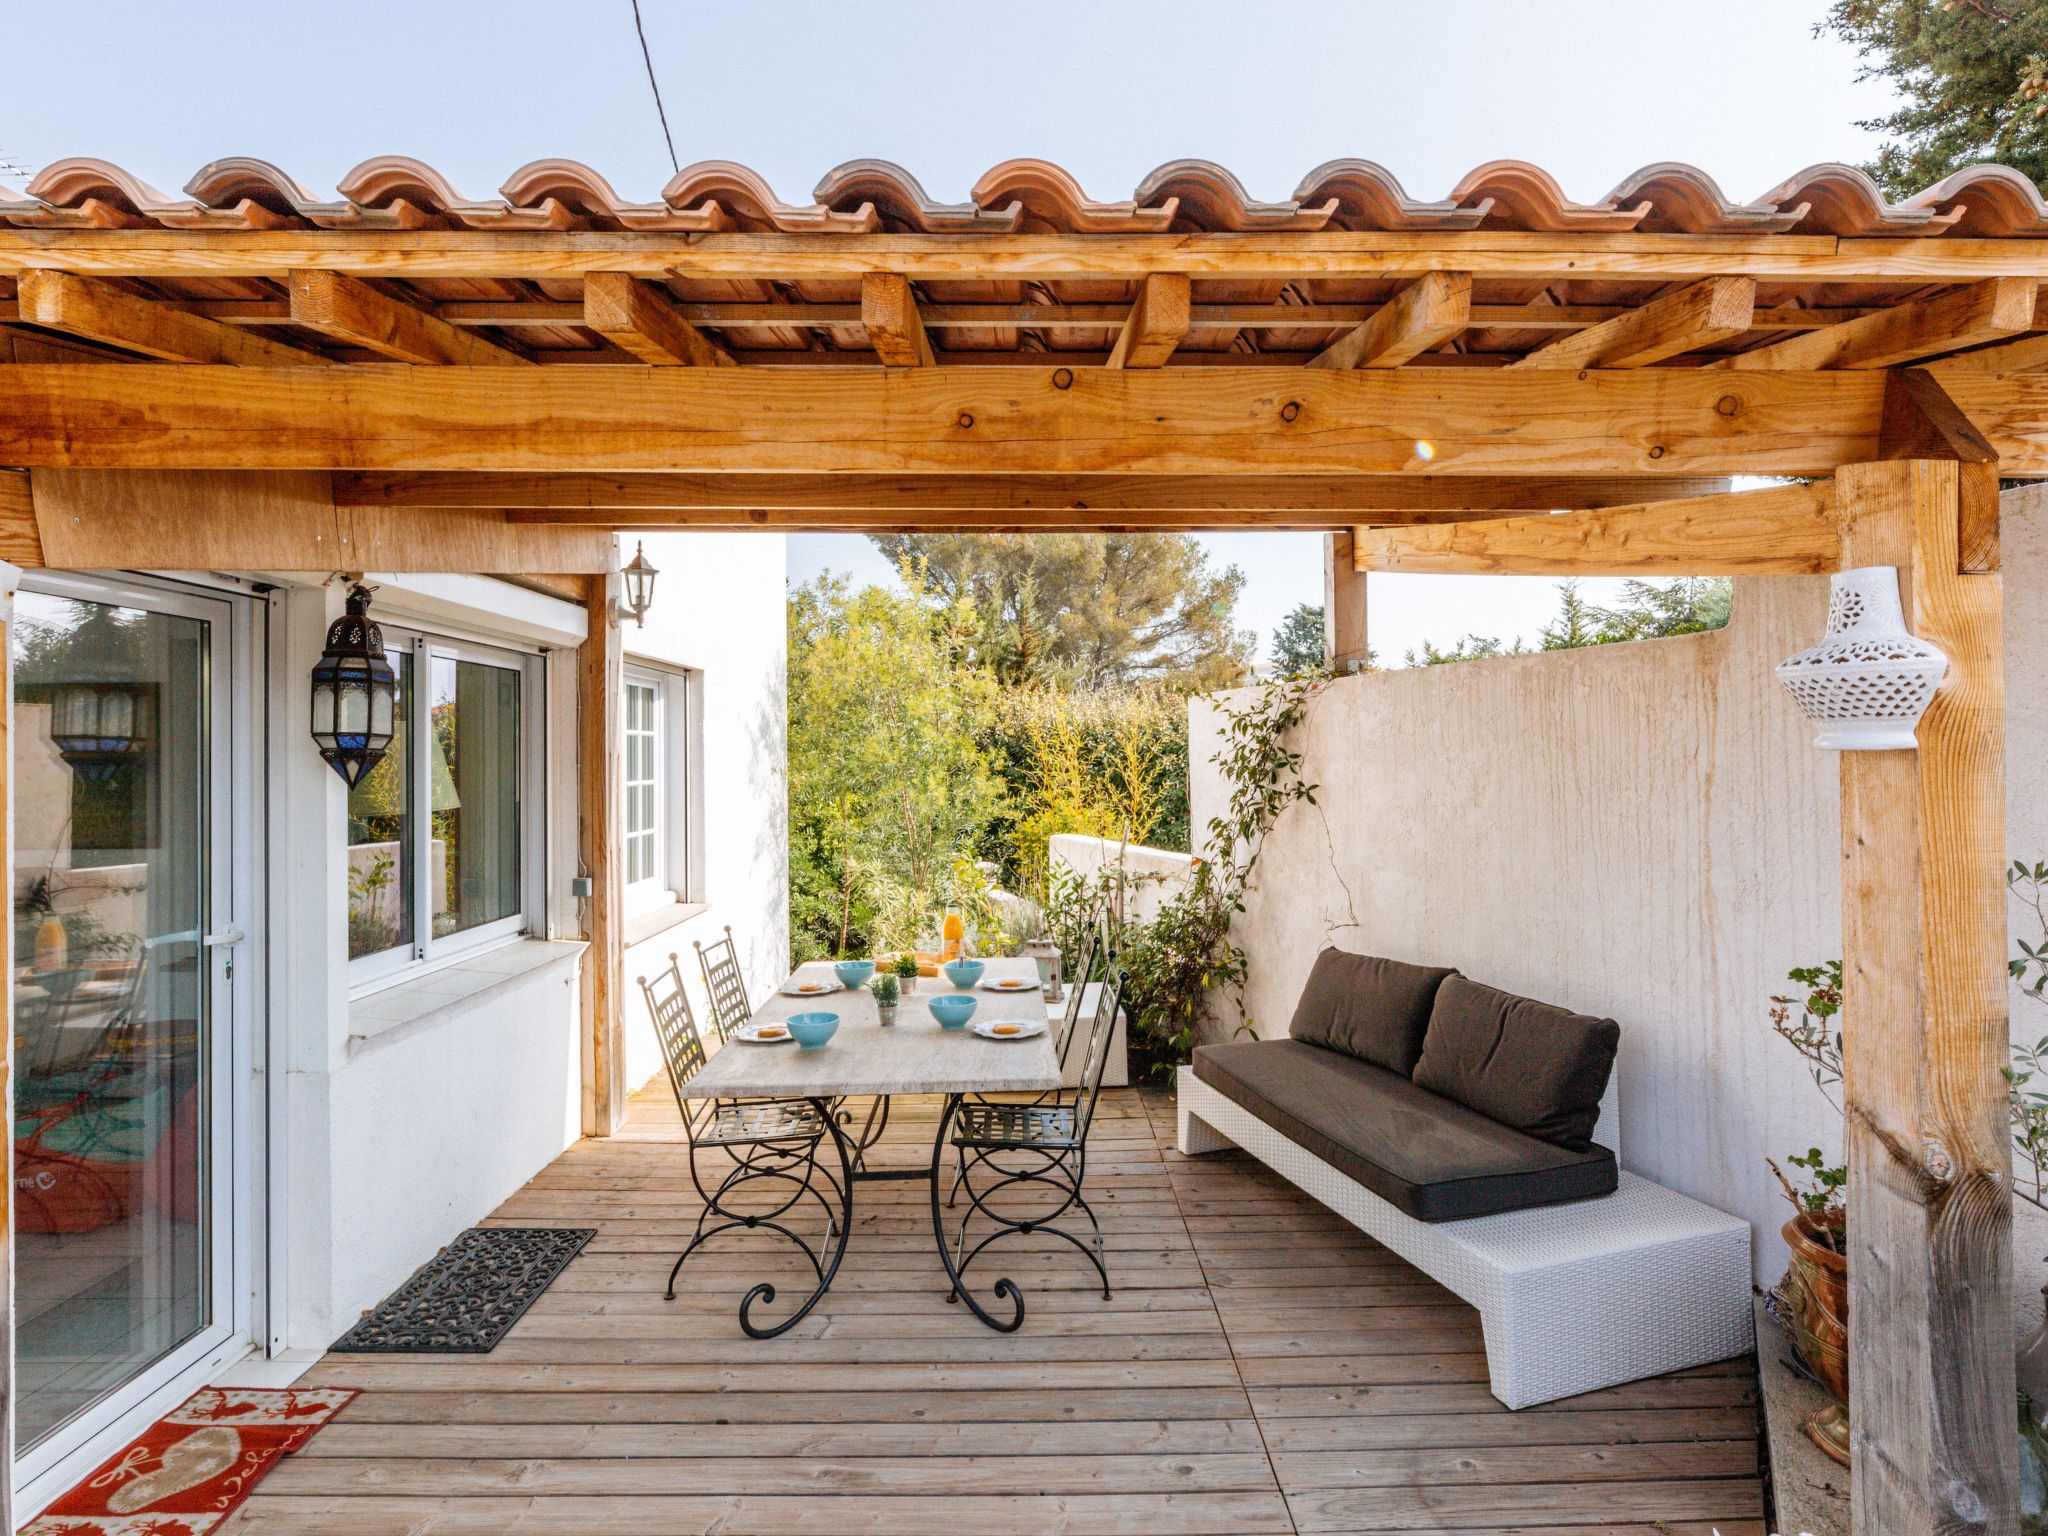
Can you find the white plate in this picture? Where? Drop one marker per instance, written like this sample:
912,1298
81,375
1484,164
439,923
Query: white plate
1009,986
809,988
1025,1029
759,1034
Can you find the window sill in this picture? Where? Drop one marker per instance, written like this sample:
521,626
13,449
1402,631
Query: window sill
642,926
420,1001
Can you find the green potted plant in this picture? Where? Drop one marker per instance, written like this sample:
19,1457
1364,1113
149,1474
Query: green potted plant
905,968
885,990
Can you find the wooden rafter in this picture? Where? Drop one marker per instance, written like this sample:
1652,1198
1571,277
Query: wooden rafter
1347,498
638,317
1948,322
888,312
97,310
998,420
793,257
1685,321
1157,322
1787,530
1425,314
351,311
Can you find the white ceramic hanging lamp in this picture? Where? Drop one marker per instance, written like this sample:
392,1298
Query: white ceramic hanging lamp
1869,681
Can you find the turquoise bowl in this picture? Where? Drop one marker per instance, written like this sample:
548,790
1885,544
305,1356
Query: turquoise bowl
951,1012
854,973
964,973
813,1029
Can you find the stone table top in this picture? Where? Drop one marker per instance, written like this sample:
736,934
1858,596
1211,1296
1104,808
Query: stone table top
913,1055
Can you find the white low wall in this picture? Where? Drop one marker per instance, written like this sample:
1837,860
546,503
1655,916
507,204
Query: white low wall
1159,870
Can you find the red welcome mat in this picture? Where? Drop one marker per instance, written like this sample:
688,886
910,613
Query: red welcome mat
187,1473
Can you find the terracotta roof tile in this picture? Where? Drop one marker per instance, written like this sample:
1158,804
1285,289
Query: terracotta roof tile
1025,195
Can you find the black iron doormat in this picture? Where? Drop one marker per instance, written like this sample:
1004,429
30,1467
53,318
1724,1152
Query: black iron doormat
466,1298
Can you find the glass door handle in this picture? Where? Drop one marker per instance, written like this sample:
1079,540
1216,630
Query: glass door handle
226,940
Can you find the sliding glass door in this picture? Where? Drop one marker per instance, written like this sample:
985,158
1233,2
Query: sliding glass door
126,938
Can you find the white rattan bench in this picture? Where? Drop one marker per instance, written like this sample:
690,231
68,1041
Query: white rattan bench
1572,1297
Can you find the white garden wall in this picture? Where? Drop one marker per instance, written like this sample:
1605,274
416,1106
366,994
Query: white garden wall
1642,831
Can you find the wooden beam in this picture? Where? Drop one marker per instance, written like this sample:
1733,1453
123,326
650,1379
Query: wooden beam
1344,606
957,520
1922,421
1270,256
21,543
640,318
278,520
888,311
354,312
785,314
1785,531
1924,979
1156,324
600,680
1684,321
99,311
1906,332
1425,314
1667,421
1348,499
2022,356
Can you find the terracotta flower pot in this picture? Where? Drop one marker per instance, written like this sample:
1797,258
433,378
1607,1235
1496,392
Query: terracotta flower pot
1815,1306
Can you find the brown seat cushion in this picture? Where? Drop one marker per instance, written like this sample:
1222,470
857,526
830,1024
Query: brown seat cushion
1526,1064
1368,1007
1424,1155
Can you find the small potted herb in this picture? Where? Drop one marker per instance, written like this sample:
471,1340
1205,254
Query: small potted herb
905,967
885,991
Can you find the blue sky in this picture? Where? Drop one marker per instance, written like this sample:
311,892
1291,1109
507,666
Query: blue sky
1590,89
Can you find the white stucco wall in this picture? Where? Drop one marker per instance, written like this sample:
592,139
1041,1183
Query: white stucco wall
732,629
1641,831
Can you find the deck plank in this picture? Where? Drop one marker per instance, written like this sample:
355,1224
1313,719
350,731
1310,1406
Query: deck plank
1262,1370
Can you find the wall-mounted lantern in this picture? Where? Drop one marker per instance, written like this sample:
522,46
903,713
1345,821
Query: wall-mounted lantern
355,692
638,577
99,725
1870,679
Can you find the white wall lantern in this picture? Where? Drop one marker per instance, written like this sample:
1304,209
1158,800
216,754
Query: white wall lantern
1869,681
638,581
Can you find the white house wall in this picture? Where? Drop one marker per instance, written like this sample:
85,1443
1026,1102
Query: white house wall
1641,831
394,1137
732,627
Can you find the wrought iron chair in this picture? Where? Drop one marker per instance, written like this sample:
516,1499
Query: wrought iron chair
725,985
1041,1142
770,1141
1063,1040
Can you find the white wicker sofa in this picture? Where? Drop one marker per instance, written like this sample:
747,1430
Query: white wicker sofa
1574,1292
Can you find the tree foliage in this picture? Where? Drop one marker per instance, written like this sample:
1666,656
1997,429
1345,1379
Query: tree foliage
888,784
1971,73
1086,610
1298,642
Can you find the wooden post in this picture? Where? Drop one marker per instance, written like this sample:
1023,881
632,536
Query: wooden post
1923,947
1343,604
600,678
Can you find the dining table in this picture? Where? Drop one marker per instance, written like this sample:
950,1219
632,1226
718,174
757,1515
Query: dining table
867,1059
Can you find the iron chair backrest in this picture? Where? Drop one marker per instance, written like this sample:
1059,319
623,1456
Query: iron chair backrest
725,985
1075,994
1107,1002
682,1048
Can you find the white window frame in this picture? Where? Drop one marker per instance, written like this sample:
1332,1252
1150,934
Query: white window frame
423,951
676,784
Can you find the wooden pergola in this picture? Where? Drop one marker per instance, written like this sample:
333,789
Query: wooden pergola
1503,380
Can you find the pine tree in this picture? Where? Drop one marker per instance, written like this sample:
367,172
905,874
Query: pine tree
1575,625
1974,75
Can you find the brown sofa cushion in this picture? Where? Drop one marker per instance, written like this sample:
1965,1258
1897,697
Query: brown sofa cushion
1424,1155
1368,1007
1526,1064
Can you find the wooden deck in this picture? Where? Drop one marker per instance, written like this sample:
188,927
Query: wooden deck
1262,1368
